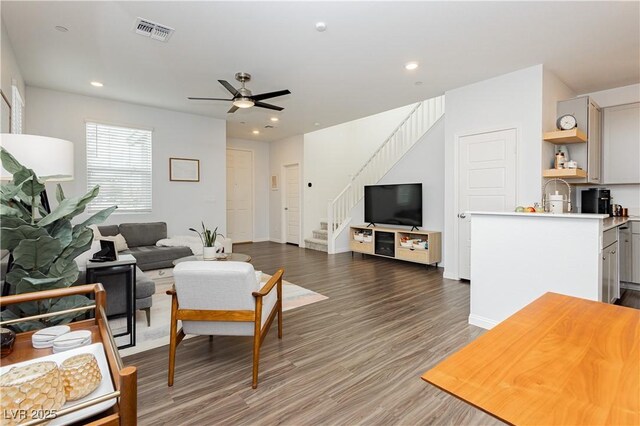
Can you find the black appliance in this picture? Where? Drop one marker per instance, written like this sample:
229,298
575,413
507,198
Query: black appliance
385,243
393,204
596,200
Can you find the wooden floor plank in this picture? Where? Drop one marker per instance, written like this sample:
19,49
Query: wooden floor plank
355,358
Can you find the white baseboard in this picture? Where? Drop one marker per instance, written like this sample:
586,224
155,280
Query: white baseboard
260,240
449,275
482,322
275,240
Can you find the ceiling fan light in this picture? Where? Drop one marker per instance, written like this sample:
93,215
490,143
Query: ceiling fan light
243,102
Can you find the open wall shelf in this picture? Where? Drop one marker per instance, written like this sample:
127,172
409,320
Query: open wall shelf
565,136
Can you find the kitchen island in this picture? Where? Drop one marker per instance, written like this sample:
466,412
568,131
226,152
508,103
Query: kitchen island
518,257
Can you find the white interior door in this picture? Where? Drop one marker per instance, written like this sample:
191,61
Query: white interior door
486,182
292,203
239,195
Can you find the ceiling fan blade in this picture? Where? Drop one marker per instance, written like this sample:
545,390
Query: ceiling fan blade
270,95
229,87
232,109
268,106
209,99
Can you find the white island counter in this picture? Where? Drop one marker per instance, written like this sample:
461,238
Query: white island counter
517,257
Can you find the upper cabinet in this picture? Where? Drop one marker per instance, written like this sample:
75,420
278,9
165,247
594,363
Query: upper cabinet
589,121
621,144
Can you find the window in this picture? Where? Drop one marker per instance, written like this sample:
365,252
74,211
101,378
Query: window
17,110
119,160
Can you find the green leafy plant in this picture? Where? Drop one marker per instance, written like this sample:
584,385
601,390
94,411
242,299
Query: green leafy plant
207,236
44,245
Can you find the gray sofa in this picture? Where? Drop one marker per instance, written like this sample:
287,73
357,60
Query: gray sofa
141,239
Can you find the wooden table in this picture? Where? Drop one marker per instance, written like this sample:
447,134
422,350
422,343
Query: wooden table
559,360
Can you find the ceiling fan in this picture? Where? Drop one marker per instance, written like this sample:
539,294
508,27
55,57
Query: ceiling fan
242,97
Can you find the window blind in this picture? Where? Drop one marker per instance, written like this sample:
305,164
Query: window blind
119,160
17,111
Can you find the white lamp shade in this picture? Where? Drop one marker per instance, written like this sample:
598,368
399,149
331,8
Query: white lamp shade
50,158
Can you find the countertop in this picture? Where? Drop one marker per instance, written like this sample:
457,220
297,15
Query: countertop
544,215
613,222
607,221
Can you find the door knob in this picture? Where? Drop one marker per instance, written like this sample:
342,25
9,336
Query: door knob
462,215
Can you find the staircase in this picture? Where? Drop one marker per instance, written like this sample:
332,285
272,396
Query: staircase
421,118
319,241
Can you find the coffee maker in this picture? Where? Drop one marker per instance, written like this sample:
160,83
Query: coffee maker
596,200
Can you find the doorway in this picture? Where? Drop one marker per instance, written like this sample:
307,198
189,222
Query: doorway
239,195
486,182
291,216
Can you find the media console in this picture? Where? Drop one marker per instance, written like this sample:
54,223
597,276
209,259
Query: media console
385,242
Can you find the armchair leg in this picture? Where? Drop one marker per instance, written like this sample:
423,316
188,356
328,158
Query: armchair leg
147,312
256,359
279,319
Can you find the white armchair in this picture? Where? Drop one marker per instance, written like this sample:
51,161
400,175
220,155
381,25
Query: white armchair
223,298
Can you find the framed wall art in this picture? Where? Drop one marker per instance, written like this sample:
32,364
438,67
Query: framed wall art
184,170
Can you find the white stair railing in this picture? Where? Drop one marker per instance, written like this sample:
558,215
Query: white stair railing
421,118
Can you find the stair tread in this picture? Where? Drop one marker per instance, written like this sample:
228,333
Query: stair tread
316,241
321,231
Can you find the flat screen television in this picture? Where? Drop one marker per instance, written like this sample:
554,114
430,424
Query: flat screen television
393,204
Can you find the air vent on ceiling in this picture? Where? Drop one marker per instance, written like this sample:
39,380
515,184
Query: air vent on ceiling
152,29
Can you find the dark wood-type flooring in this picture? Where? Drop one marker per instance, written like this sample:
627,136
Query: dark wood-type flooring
355,358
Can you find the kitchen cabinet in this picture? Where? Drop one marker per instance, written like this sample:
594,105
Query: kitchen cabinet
589,119
624,242
610,278
621,144
635,252
610,284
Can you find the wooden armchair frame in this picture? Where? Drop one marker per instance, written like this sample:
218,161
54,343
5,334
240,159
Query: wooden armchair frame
254,316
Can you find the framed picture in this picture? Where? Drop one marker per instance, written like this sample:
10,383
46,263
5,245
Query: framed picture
184,170
274,183
5,114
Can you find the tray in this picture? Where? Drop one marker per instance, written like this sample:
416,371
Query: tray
105,387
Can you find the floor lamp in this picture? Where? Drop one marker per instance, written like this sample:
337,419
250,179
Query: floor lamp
50,158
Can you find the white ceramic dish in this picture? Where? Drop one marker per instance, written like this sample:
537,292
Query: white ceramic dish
358,237
104,388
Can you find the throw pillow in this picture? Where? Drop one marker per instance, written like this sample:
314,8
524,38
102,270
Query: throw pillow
96,232
121,243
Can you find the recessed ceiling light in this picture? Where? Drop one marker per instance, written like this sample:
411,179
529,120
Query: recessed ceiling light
274,119
321,27
411,66
61,28
96,84
256,132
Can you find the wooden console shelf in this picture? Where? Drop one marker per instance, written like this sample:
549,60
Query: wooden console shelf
124,379
373,244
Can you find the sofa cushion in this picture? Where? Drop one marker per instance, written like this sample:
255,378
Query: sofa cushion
143,234
153,254
108,230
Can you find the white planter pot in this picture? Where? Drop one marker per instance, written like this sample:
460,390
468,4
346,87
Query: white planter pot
208,253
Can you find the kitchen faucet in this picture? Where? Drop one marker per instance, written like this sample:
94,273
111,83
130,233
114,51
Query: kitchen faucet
544,193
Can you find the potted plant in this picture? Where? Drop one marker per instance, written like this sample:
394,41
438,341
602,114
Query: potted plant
43,245
208,238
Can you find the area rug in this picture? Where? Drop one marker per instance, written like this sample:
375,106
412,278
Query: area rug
157,335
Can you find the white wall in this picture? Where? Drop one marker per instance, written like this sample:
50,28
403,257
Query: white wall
180,204
626,195
261,186
512,100
334,154
281,153
423,163
10,70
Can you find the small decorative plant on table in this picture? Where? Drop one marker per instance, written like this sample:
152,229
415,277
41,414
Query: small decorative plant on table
43,245
208,238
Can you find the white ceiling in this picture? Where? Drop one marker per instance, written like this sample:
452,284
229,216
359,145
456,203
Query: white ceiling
354,69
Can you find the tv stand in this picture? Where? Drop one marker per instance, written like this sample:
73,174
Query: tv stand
385,242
